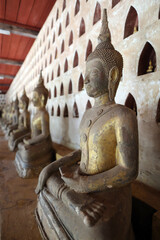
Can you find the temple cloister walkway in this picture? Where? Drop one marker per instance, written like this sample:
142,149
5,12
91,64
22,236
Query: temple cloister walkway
17,200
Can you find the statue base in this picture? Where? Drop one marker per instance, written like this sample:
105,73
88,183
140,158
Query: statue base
56,221
30,162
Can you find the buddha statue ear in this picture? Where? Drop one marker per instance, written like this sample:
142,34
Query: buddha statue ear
113,81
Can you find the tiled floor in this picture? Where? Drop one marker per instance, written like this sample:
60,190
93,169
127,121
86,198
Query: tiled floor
17,200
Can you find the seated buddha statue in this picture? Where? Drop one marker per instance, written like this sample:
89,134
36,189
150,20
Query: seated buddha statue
36,152
4,116
14,118
16,136
87,194
8,117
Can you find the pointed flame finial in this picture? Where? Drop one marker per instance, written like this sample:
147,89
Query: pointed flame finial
40,81
105,34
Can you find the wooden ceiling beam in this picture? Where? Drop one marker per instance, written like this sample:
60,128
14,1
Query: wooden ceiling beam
4,84
10,62
17,30
17,24
6,76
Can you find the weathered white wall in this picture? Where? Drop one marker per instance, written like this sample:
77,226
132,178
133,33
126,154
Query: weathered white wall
144,88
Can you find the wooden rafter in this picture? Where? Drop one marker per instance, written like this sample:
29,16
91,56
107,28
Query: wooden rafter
10,62
18,30
7,76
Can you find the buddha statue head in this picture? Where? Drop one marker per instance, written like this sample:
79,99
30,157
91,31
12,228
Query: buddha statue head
15,104
23,101
104,66
40,93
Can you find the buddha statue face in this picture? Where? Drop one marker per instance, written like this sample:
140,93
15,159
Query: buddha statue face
101,79
38,99
21,105
95,81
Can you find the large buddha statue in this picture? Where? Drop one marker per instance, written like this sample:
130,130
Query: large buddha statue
87,194
14,118
35,153
16,136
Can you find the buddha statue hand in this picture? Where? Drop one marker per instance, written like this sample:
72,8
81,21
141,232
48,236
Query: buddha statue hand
53,167
87,208
72,177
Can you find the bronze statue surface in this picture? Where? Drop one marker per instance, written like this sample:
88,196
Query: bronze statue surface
87,194
36,152
23,130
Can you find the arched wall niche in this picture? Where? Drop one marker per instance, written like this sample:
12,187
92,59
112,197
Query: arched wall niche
57,15
52,22
52,76
58,111
64,5
70,87
70,38
77,7
75,111
158,113
52,111
66,66
81,83
53,37
62,47
75,61
56,53
82,28
88,105
97,13
131,25
89,49
60,30
67,20
131,103
147,61
49,94
115,2
62,90
58,71
50,61
65,112
55,92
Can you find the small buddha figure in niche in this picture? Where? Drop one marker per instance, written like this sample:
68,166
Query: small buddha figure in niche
14,118
150,67
23,130
35,153
87,194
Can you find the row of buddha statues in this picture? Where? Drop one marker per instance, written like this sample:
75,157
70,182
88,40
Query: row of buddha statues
85,195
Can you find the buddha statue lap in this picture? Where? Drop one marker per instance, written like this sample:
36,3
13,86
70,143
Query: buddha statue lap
87,195
23,130
35,153
14,118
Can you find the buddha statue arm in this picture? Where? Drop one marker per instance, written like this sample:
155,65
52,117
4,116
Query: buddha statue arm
126,168
68,160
